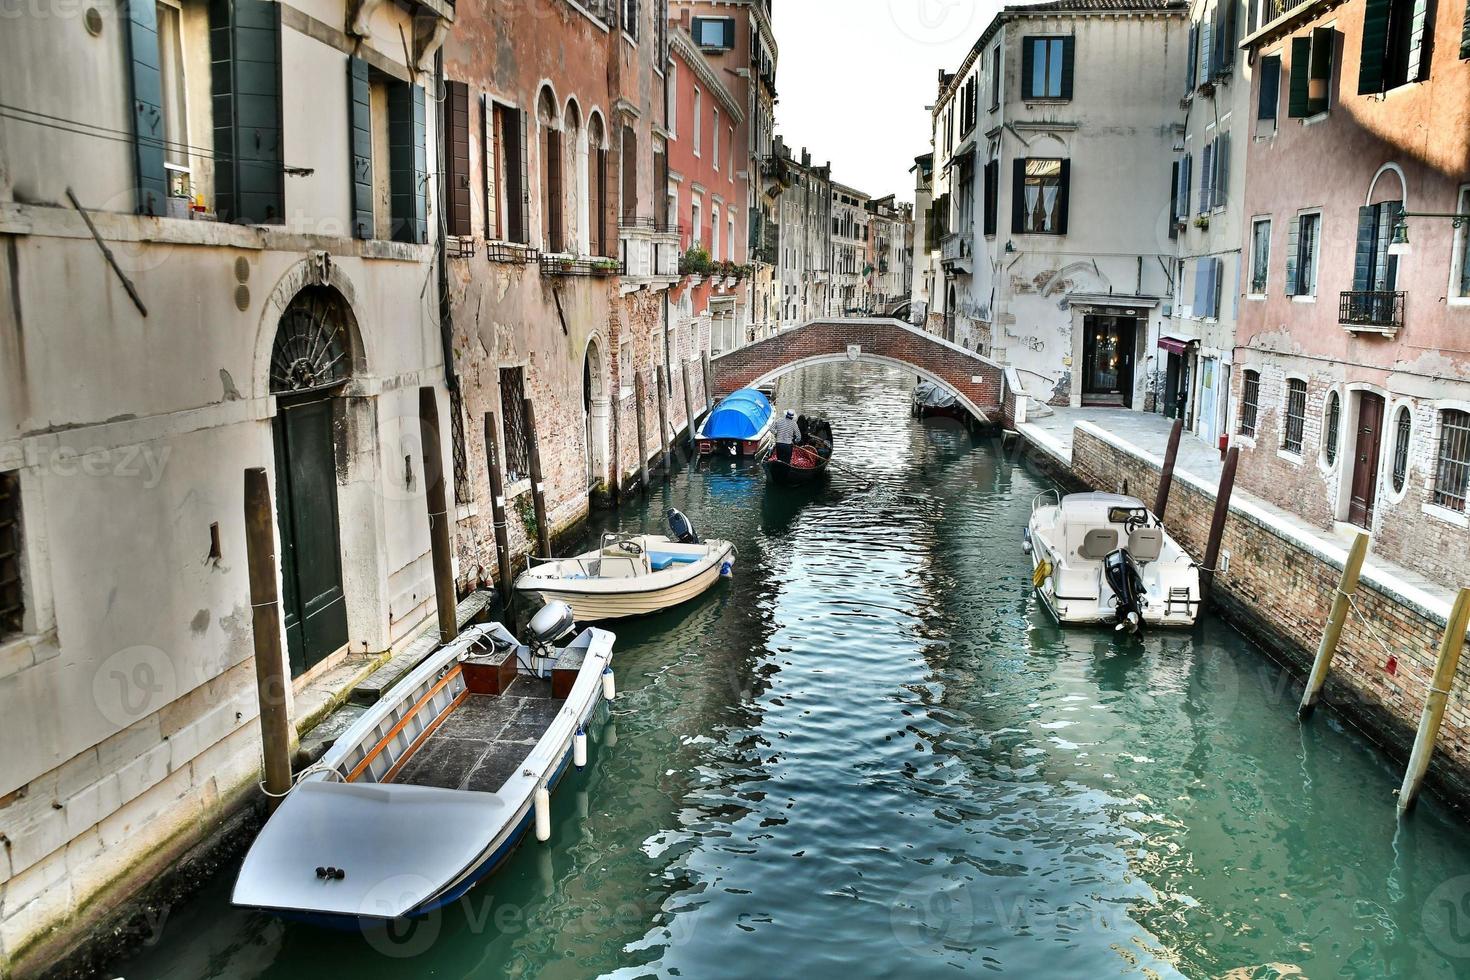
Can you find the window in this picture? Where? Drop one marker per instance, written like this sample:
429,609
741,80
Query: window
175,105
597,187
1452,465
1375,271
630,173
1311,72
1250,396
1331,419
1040,200
730,237
698,113
1260,255
995,78
671,99
1296,415
714,139
1268,96
517,433
1403,430
1207,287
455,187
992,190
1301,255
730,149
630,18
1461,278
696,214
1046,68
12,598
506,177
1184,183
717,33
1395,51
552,231
625,365
714,232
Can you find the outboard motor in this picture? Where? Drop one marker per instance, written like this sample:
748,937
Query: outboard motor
554,622
680,529
1126,582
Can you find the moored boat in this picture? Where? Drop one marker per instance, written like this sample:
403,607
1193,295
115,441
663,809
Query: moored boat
1104,558
810,454
740,425
433,787
933,401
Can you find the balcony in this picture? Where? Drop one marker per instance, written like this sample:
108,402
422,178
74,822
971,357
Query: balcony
556,264
648,247
955,250
1372,311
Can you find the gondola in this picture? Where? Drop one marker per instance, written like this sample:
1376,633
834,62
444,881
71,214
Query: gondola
810,455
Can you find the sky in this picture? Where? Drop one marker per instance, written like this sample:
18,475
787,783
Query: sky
854,77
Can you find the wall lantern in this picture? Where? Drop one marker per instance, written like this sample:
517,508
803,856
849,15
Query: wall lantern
1399,245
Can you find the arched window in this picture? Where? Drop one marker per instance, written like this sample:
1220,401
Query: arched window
629,167
1250,399
575,148
552,229
597,187
1331,421
1403,429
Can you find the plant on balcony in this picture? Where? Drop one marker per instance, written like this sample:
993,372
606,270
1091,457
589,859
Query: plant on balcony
566,263
605,266
1202,222
695,262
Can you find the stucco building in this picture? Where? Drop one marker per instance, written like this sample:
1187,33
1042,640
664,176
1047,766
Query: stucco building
851,292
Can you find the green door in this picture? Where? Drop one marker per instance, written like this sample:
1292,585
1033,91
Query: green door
306,507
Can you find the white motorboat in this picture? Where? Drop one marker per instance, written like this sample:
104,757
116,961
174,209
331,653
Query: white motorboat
632,574
1104,558
432,788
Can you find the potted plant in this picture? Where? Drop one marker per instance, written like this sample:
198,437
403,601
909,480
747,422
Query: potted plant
695,262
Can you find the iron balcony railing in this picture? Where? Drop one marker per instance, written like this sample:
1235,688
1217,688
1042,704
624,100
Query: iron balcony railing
659,224
1377,308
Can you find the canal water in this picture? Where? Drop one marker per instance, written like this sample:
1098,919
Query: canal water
872,754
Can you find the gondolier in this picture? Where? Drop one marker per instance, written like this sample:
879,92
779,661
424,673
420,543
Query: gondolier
786,432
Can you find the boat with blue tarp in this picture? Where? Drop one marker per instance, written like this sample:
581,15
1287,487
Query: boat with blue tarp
740,425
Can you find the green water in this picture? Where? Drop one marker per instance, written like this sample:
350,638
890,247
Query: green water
872,754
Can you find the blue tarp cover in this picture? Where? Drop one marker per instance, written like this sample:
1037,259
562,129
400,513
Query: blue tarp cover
741,415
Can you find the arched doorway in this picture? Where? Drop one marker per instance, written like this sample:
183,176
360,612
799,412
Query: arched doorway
595,409
311,360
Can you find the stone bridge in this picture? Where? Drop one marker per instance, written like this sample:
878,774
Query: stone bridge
976,381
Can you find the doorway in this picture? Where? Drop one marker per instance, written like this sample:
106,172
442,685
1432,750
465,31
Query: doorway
1365,459
1107,359
596,408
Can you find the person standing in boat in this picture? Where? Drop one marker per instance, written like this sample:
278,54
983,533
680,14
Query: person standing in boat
786,430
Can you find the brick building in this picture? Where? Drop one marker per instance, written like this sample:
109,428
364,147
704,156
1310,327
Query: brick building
1352,387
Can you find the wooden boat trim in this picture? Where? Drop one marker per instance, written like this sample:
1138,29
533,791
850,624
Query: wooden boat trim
424,735
377,750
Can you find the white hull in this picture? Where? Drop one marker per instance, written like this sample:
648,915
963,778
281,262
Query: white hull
593,599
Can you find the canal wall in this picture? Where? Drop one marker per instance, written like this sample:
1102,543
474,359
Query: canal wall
1277,584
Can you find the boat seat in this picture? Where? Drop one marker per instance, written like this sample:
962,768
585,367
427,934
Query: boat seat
619,567
1146,543
660,560
1098,544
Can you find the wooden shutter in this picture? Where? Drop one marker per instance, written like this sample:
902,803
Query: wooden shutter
149,131
1206,49
487,164
1375,46
1206,176
552,193
457,159
245,56
629,165
1200,279
1324,44
1293,236
1064,197
407,163
1193,57
1028,67
523,157
1301,59
360,134
1018,196
1188,188
1418,60
1068,49
1367,239
730,33
1222,168
1270,94
514,177
992,179
605,247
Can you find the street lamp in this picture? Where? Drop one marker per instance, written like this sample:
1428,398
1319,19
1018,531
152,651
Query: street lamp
1399,245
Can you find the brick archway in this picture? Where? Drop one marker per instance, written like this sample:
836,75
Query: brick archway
976,381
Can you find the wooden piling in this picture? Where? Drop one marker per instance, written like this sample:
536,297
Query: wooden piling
497,514
1450,648
446,600
1335,619
709,382
662,380
538,485
1217,525
639,397
617,448
270,660
1166,478
689,410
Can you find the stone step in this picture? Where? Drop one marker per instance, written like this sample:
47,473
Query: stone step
472,608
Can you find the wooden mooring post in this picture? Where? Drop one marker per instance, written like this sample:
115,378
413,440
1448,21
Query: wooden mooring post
662,380
617,448
709,382
1217,524
446,600
1166,477
689,410
538,485
497,514
639,397
270,660
1341,603
1450,648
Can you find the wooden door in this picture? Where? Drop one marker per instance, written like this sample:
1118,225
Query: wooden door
312,601
1365,459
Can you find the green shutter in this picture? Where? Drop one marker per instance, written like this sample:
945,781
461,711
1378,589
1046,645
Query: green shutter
1193,54
407,163
1028,67
1324,47
1301,59
1293,235
245,49
1068,47
1064,197
730,33
360,131
1375,46
1367,238
1018,196
147,92
1270,93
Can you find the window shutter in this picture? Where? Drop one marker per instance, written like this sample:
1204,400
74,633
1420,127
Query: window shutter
1270,93
457,158
1222,169
1375,46
1068,47
992,197
407,163
487,161
1201,282
1367,238
1188,186
1207,39
1028,67
730,33
1217,30
1193,55
523,153
1206,176
1018,196
1301,57
1293,236
360,133
147,91
1418,61
1064,197
1174,199
1324,44
551,233
245,55
1217,275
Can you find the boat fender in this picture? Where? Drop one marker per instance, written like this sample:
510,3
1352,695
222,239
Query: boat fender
1043,570
1025,541
334,874
609,686
727,570
579,749
543,814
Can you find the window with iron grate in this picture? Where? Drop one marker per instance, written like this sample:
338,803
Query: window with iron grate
1452,466
1296,415
12,597
1250,396
517,433
1330,422
1403,429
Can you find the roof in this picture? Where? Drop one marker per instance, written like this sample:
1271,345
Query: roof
1099,5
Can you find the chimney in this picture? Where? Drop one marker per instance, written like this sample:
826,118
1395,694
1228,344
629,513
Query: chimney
806,158
684,19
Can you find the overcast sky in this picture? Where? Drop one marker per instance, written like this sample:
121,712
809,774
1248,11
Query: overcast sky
855,75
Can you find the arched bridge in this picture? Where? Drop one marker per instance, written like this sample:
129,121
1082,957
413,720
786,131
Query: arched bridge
975,380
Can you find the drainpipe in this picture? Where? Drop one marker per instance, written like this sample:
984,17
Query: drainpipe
446,316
